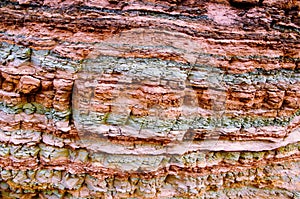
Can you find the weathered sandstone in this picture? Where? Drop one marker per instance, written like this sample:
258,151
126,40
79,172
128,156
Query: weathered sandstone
150,99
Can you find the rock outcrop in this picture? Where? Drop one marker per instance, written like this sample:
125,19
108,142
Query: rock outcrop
150,99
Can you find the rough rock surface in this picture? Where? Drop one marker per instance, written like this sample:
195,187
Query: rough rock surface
150,99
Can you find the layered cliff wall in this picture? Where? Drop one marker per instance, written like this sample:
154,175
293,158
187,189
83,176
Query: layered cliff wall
150,99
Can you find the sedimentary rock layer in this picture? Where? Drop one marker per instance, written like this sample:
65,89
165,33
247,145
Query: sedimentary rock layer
149,99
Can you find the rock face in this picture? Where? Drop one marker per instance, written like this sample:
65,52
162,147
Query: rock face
150,99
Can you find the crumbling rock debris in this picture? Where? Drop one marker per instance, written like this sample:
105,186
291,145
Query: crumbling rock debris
28,84
149,99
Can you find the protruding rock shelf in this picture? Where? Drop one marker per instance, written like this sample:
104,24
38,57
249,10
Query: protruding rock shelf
150,99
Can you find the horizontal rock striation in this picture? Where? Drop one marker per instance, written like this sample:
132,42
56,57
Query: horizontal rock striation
149,99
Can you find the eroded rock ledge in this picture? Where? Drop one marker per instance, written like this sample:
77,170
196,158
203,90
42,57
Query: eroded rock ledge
149,99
